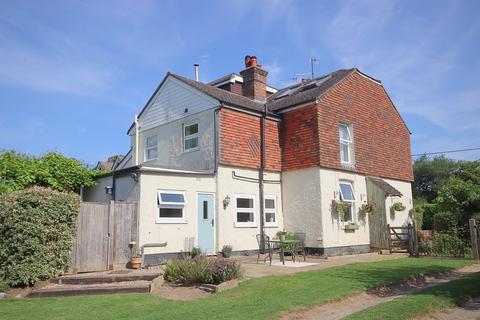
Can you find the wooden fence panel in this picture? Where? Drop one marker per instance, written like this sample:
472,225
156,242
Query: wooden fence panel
124,230
104,232
91,241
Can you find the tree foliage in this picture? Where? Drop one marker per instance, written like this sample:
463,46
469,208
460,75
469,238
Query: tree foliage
18,171
37,230
452,189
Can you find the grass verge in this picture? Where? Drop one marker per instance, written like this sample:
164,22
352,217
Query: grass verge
442,297
262,298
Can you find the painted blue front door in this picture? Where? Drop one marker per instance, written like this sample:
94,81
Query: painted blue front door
206,222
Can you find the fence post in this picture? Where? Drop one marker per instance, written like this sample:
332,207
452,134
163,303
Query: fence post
474,238
415,239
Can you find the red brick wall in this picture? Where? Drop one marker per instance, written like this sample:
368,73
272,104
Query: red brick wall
233,87
240,141
381,139
299,133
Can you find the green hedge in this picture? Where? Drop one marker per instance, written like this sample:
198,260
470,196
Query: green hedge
37,231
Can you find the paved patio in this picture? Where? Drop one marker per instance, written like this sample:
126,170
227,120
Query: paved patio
254,270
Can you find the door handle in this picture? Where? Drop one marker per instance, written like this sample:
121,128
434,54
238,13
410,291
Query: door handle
213,222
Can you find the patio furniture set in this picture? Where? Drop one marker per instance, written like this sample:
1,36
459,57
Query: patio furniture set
294,247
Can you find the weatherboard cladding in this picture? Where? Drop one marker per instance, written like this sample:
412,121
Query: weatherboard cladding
170,102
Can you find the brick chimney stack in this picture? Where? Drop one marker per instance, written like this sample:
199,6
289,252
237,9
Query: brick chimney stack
254,79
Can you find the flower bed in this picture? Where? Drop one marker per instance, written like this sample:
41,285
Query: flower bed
198,270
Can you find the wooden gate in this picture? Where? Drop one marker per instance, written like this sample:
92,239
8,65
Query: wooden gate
104,232
402,239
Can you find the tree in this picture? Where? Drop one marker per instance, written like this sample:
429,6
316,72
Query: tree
18,171
430,175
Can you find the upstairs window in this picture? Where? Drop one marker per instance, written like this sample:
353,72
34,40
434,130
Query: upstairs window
151,151
245,211
346,144
171,207
270,207
190,137
348,196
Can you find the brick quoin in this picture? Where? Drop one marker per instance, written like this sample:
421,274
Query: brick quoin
240,141
381,138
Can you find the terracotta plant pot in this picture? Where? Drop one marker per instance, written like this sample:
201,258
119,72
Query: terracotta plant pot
135,263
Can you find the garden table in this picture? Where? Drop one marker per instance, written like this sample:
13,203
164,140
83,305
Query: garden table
281,242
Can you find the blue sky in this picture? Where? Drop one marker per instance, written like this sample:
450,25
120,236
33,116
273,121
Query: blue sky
74,73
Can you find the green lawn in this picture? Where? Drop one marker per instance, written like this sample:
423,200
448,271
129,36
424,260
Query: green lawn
441,297
253,299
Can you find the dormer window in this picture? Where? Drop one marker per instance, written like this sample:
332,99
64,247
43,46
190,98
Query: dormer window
346,144
190,137
151,151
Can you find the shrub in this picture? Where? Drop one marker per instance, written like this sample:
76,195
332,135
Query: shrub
429,211
445,245
186,270
417,214
445,222
221,270
288,236
196,251
227,251
201,270
37,232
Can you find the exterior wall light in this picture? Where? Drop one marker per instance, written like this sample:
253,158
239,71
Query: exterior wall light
226,202
109,190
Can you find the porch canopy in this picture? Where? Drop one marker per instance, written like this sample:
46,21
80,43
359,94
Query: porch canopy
389,190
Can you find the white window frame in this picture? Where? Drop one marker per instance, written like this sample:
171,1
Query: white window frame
351,202
266,210
191,136
349,144
252,210
171,205
146,148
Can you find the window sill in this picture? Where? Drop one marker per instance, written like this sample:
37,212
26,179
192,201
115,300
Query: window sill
191,150
271,225
349,166
171,221
245,225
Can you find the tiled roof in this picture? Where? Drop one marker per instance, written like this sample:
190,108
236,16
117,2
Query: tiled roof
305,92
386,187
224,96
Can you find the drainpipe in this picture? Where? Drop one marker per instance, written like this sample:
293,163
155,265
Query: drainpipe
260,177
136,140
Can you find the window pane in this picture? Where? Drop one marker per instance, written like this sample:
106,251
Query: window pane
244,203
152,154
269,204
191,143
270,217
348,214
171,213
205,210
172,197
151,141
347,192
344,152
344,132
244,216
192,129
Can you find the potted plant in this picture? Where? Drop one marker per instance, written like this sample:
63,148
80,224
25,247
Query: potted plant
135,259
398,206
352,226
340,208
227,251
368,207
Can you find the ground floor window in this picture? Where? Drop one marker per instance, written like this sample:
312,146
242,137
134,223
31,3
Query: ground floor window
171,206
270,208
244,210
347,195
